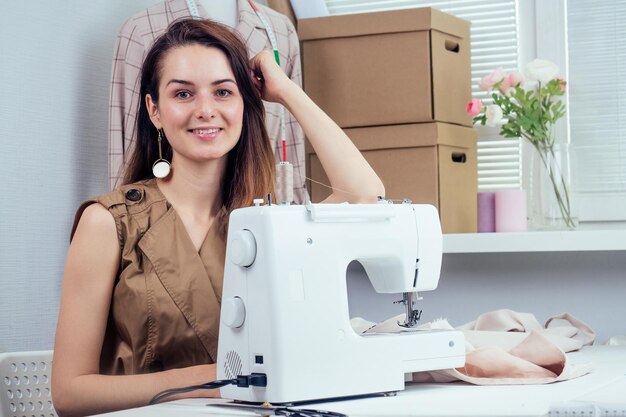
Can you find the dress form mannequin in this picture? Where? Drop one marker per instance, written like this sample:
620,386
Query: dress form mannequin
140,30
224,11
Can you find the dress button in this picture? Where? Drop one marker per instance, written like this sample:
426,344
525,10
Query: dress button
133,194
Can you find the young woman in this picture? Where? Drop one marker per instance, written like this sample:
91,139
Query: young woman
143,278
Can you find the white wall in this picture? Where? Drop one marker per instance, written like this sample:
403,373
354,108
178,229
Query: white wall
55,64
55,60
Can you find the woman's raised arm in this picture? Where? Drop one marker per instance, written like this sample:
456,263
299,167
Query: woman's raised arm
350,175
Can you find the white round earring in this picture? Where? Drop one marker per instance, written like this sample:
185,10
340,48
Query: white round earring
161,167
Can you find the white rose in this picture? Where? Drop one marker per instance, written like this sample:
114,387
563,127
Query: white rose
541,70
493,114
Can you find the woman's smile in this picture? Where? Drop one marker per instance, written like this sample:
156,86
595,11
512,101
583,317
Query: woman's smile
206,133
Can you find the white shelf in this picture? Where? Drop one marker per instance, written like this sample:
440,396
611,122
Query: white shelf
561,241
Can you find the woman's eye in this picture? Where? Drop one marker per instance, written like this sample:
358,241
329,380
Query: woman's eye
223,93
183,94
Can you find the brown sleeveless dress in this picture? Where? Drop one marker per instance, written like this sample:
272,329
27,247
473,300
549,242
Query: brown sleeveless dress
165,304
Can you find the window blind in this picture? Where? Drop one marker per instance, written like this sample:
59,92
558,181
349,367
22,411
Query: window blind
494,44
597,96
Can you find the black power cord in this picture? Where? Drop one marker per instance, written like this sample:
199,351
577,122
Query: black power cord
244,381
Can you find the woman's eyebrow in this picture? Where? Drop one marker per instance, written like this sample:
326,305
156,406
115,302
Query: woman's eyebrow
175,81
224,80
216,82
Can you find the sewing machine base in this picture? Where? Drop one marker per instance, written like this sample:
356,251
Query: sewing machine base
322,400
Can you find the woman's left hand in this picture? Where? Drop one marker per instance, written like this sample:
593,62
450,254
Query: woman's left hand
268,77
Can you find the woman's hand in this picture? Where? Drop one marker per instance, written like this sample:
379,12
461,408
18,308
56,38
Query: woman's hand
192,375
269,78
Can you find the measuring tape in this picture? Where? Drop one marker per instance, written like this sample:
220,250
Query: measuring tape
281,109
193,10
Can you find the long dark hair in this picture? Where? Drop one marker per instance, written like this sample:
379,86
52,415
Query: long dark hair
250,168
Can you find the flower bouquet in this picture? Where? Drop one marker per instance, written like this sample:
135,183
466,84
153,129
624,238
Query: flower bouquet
531,114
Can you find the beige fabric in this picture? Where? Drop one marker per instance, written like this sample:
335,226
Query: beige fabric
506,347
140,31
166,300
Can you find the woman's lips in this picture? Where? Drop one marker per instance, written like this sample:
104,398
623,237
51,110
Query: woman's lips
206,133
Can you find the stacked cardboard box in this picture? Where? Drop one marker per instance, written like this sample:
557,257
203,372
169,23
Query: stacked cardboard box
398,83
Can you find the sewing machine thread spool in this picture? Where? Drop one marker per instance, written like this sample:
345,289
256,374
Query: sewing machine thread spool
284,183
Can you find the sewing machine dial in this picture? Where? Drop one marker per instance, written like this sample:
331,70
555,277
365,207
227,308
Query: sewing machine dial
242,249
233,312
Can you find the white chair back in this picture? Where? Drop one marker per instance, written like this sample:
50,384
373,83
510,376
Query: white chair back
25,384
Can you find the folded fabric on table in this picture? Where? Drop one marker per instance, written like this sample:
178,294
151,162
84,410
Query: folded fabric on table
506,347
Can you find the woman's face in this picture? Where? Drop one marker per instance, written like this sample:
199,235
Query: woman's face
200,108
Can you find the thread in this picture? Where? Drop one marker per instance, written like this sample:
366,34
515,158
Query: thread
284,183
330,187
284,150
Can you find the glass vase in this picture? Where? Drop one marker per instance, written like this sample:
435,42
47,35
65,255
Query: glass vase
550,199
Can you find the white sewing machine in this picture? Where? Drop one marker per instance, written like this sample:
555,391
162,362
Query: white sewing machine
285,303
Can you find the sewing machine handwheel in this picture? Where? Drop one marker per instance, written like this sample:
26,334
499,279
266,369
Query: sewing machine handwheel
242,249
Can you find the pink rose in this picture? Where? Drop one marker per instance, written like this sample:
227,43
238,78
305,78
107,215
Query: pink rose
516,78
474,107
490,80
510,81
494,115
562,83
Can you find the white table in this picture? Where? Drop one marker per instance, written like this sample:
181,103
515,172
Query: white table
604,387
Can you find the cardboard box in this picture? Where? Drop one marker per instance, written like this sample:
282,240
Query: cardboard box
402,66
432,163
